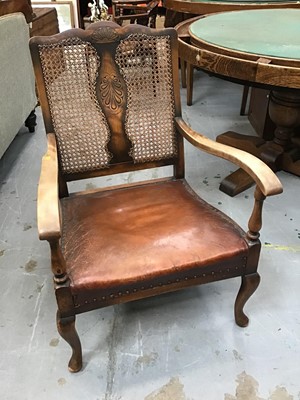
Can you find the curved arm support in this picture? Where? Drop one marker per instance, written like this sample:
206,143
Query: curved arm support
48,194
255,221
58,263
263,176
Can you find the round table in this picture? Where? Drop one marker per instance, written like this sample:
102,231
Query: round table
212,6
178,10
259,48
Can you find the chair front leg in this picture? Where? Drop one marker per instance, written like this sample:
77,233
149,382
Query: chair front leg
66,329
248,286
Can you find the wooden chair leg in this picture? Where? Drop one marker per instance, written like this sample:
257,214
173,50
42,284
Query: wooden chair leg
248,286
189,83
244,100
30,122
183,73
66,329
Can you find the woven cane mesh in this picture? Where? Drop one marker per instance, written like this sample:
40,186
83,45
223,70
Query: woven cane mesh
145,63
70,70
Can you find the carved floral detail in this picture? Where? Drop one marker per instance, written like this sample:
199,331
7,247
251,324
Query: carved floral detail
104,35
111,92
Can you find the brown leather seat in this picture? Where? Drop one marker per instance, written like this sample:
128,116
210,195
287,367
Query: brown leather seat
145,237
110,101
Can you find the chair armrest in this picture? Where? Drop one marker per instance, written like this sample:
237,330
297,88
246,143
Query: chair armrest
48,200
263,176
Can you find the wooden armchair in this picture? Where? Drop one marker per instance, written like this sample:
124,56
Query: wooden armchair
110,101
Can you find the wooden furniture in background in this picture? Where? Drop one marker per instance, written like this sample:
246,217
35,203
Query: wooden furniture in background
12,6
143,12
191,8
45,22
110,102
278,72
259,117
68,11
258,113
201,7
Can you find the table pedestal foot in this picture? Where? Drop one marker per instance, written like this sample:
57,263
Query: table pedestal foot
236,183
251,144
282,153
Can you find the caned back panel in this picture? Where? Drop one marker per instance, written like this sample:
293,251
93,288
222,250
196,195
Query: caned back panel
109,96
70,70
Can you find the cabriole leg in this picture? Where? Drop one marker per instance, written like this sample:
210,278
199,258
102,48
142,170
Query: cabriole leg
66,329
248,287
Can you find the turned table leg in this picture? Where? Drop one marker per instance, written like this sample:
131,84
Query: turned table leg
282,153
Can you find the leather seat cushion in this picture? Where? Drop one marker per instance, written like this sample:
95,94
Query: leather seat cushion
149,234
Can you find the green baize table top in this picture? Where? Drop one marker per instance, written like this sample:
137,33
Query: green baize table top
271,32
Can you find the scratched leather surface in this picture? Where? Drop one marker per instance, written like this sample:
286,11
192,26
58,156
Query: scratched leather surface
144,234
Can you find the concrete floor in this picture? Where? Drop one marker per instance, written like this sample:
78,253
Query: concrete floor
179,346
